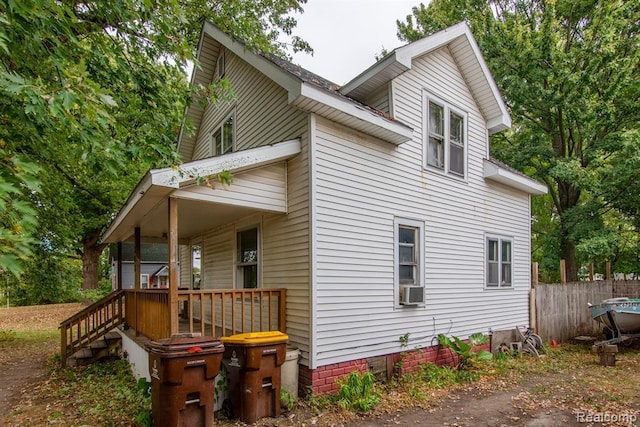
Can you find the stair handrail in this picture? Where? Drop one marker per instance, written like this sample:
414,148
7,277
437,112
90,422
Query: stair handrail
98,319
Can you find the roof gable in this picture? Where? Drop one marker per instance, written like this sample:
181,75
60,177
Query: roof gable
468,57
306,91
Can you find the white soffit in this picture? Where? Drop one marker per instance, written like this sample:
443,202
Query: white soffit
497,173
159,184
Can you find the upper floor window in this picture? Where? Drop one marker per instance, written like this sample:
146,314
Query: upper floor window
223,137
446,138
499,262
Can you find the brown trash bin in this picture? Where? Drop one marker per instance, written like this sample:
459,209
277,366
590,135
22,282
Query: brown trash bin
253,362
183,369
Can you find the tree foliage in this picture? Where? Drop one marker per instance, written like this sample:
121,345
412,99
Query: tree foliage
91,96
568,72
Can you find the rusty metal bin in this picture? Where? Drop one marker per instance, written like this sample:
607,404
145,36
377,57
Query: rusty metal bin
183,369
253,362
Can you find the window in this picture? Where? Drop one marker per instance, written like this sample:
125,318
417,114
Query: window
196,254
499,262
446,138
407,255
409,261
144,281
220,65
248,258
223,137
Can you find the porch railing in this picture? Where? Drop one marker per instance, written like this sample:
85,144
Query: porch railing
210,312
91,323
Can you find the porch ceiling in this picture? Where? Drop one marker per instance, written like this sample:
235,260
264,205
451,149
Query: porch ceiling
259,185
194,218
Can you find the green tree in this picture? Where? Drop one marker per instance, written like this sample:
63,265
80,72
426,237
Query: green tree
568,72
91,96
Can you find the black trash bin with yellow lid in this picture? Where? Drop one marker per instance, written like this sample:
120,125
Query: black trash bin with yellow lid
253,362
183,369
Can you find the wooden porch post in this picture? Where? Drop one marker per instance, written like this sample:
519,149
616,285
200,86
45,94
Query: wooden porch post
119,280
119,267
137,270
173,266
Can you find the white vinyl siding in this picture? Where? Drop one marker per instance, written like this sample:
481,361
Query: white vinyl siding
284,240
262,113
356,293
262,188
285,252
207,56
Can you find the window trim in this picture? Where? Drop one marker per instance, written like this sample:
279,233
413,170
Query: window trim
219,128
144,275
447,109
239,281
500,238
399,222
191,259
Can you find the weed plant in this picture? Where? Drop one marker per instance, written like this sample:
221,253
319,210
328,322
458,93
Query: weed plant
8,335
103,393
357,391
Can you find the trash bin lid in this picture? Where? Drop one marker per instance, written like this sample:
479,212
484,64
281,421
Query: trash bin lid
256,338
184,345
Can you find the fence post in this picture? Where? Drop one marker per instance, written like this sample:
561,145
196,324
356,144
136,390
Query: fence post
534,274
591,273
533,319
563,271
608,270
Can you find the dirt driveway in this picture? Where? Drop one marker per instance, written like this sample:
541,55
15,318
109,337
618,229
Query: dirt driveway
546,392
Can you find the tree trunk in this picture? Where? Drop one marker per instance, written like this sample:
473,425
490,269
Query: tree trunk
569,197
91,252
571,264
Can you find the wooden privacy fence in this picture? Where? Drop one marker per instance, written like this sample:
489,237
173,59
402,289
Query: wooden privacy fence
561,310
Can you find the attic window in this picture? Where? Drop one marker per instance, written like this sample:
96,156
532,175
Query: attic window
220,65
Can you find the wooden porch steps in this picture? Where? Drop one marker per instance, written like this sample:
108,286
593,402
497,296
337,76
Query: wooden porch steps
89,334
96,350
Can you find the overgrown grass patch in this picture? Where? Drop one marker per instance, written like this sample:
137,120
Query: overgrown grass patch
103,393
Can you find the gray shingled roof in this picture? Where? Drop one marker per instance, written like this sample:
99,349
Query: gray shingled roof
307,76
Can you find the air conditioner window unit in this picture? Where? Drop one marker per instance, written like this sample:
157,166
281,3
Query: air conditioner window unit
411,295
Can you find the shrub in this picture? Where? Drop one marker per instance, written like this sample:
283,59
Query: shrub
466,356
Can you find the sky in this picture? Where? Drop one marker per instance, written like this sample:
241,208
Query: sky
346,35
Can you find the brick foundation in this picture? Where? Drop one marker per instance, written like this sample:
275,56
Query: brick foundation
324,379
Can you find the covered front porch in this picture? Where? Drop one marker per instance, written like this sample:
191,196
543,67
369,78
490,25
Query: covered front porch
213,233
